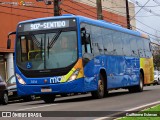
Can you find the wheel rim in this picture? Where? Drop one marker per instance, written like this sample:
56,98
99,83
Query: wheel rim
5,97
101,87
33,97
141,81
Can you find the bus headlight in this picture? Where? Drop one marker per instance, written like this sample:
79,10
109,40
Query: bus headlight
20,80
74,75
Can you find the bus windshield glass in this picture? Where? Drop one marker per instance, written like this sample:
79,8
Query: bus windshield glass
46,50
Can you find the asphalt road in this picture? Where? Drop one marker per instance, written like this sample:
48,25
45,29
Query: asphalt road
117,101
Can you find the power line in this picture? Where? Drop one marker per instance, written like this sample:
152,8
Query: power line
140,5
123,23
66,11
83,7
38,7
149,16
120,6
16,14
146,9
141,22
95,14
157,2
139,10
108,17
137,6
77,9
118,21
145,32
146,25
25,9
108,8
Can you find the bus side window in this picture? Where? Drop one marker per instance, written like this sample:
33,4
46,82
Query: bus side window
117,43
97,43
140,44
107,41
126,44
147,49
134,48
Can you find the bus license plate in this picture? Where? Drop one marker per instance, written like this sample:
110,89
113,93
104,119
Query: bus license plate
10,93
46,90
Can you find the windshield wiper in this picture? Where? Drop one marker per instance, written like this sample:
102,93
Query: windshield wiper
54,39
36,41
41,49
50,45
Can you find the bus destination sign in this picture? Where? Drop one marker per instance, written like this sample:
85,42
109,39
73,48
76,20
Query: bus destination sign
45,25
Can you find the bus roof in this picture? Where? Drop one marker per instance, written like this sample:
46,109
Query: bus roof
101,23
112,26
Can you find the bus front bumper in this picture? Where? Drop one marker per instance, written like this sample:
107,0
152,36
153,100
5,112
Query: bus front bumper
67,87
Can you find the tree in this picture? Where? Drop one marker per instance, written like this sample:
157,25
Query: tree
156,59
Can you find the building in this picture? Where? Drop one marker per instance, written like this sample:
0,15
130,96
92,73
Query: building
14,11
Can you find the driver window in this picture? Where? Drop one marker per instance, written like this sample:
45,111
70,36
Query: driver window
86,43
85,34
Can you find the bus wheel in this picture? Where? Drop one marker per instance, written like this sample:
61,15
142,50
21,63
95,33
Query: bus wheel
29,98
99,93
48,98
138,88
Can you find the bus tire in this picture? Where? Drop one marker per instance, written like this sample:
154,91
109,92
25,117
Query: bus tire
29,98
99,93
138,88
48,98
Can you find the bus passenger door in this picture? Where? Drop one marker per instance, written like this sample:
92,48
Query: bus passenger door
88,62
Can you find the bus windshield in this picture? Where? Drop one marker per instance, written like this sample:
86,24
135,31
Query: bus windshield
46,50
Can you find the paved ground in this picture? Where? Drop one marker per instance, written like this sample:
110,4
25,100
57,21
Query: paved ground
116,102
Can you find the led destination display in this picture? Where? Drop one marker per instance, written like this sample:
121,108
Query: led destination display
45,25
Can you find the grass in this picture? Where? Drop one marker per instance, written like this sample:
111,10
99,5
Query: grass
152,111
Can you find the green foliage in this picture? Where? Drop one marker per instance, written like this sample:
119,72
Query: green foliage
156,59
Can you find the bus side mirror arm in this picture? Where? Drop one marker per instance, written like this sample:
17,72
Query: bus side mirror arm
9,40
8,43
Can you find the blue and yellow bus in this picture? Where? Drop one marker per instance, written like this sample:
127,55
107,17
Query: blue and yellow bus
76,54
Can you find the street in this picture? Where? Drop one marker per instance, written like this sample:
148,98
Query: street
117,101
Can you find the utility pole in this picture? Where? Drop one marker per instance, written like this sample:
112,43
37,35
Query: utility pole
127,15
57,8
99,9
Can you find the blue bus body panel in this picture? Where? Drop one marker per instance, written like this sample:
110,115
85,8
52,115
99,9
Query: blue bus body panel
68,87
121,71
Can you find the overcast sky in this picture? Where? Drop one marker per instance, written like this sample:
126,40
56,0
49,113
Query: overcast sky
150,19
